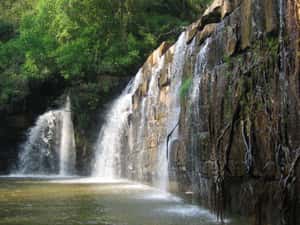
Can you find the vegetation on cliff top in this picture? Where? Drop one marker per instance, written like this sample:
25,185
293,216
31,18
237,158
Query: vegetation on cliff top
81,39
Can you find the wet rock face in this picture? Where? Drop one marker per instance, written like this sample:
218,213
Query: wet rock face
11,131
249,112
239,139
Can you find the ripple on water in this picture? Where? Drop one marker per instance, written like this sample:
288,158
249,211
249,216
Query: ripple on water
89,180
38,176
187,210
160,196
103,202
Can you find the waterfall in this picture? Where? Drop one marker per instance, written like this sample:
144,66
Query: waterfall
50,146
118,133
39,153
282,52
141,127
194,106
109,143
148,114
150,125
173,109
67,145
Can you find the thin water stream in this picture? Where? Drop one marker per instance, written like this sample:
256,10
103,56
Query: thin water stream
72,201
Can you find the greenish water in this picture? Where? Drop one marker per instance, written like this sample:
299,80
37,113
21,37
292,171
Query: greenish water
36,201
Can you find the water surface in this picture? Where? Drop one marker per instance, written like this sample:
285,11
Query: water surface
74,201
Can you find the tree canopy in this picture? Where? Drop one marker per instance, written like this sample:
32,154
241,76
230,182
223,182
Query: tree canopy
81,39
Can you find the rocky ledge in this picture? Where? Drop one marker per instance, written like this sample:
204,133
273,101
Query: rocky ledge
238,147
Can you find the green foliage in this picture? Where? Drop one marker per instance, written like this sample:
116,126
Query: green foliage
12,86
228,74
11,11
185,87
81,39
86,98
273,45
6,31
227,59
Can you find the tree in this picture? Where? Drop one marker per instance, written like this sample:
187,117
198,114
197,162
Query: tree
81,39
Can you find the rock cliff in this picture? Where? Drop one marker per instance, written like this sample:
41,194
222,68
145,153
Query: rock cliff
237,141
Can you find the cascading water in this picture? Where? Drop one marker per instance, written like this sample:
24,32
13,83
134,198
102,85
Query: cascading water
153,126
194,120
39,153
148,114
173,109
109,143
282,55
67,145
200,64
50,145
118,128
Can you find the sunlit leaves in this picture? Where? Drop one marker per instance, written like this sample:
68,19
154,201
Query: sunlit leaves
73,57
81,39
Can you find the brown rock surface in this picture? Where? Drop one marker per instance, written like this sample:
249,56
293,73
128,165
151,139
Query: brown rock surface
240,138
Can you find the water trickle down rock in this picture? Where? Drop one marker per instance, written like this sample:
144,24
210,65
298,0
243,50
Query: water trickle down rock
110,142
230,124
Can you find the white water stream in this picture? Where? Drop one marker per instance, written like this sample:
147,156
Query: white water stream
117,130
50,146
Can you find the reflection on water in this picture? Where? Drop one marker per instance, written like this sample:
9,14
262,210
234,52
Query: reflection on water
72,201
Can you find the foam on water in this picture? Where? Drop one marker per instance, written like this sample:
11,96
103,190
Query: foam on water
187,210
161,196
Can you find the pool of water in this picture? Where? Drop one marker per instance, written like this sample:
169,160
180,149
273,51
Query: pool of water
74,201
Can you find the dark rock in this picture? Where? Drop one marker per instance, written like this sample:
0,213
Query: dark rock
246,133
